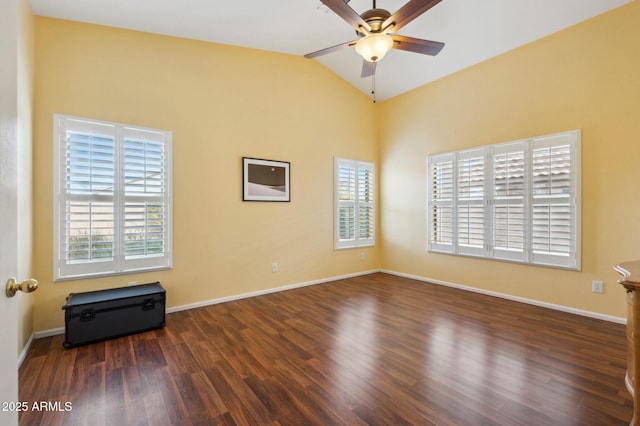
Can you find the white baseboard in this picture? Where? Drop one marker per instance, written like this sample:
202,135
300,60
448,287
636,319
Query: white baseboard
25,350
267,291
534,302
37,335
610,318
47,333
56,331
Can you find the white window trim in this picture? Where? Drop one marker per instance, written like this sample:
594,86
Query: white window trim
371,204
64,271
572,261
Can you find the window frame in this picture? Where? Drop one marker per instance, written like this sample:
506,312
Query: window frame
356,203
510,201
124,202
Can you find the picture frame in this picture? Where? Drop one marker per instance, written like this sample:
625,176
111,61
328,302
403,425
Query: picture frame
266,180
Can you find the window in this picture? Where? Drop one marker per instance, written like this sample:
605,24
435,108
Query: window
112,198
518,201
354,183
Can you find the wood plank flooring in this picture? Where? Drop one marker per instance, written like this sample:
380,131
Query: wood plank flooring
376,349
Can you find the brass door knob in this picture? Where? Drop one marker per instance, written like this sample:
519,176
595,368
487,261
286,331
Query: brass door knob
26,286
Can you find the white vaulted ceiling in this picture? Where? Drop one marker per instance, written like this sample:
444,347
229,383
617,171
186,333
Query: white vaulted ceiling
473,30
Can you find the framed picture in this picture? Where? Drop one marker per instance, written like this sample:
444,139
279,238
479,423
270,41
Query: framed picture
265,180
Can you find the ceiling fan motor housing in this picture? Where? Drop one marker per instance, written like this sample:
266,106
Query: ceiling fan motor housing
375,18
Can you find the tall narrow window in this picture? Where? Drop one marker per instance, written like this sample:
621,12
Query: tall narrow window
354,184
113,198
518,201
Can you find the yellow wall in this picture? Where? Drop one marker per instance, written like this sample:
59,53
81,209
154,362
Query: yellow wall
224,102
221,103
585,77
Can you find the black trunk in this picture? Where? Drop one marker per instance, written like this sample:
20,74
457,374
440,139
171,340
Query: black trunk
99,315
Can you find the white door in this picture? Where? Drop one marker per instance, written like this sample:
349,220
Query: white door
8,268
8,210
8,324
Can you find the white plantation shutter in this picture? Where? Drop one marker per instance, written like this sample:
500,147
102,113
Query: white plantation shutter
518,201
112,198
441,209
354,203
471,202
346,203
86,204
508,201
366,207
554,224
145,190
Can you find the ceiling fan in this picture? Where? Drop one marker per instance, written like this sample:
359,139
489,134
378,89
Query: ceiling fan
375,26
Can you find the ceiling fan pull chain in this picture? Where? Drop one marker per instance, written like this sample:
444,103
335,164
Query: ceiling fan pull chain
373,88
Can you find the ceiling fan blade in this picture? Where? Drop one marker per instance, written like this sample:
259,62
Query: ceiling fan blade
416,45
345,11
407,13
329,49
368,69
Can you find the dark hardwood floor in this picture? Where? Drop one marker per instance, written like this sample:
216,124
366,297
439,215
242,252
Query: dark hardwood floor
377,349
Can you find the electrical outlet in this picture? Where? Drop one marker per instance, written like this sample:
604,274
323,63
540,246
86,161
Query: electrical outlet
274,267
596,286
362,256
132,283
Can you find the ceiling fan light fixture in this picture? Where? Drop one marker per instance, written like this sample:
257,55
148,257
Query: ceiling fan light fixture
373,47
